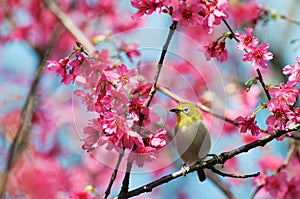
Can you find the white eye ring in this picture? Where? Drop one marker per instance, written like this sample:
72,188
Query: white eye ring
186,110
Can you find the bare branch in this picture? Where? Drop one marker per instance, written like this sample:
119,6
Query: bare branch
20,141
220,159
221,173
221,185
69,25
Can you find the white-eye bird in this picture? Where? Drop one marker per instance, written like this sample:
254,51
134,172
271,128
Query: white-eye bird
192,138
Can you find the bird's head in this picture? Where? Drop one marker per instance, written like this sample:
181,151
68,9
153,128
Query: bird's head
186,113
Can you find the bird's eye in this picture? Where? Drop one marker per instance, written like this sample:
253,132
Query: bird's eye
186,110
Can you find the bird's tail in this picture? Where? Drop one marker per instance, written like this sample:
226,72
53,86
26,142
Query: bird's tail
201,175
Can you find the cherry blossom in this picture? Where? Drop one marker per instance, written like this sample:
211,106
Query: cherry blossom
215,49
245,39
248,124
258,55
277,185
188,14
293,71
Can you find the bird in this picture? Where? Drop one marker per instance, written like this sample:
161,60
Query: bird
191,137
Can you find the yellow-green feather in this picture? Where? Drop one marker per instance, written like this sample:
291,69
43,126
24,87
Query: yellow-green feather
184,119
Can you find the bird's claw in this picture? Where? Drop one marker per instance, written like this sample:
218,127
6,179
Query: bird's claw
185,169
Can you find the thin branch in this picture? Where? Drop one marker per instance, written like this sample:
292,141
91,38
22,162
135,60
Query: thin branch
221,173
69,25
114,174
260,78
199,105
21,139
161,61
278,15
221,185
220,159
125,184
256,191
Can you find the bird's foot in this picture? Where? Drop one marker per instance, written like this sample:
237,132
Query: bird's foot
185,169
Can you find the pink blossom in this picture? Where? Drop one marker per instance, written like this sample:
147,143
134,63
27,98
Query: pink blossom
143,154
213,13
130,49
271,162
260,180
293,188
245,39
258,55
277,185
294,115
137,109
248,124
81,195
215,49
147,7
59,67
158,140
293,71
286,93
188,14
94,133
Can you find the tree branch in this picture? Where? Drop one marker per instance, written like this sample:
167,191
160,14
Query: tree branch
222,186
69,25
20,141
220,159
114,174
221,173
161,61
125,184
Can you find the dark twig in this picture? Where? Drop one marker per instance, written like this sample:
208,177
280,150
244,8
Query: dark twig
220,159
260,78
125,184
256,191
161,61
221,173
114,174
221,185
20,141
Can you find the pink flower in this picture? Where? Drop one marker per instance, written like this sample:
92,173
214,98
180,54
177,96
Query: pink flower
260,180
81,195
188,14
213,13
258,55
293,188
59,67
94,133
137,109
142,154
248,124
279,119
158,140
286,93
245,39
293,71
270,162
216,50
147,7
130,49
277,185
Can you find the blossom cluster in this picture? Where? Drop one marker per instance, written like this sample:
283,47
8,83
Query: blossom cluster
282,104
257,54
118,95
192,12
281,183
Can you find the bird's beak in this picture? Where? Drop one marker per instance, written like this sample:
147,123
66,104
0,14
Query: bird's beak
175,110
